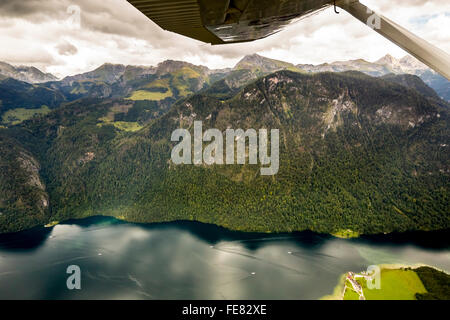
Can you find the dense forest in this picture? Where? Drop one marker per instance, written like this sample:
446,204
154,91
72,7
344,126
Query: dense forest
436,282
357,153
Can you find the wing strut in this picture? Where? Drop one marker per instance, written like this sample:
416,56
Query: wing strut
424,51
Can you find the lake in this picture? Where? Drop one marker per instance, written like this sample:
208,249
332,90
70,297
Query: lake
189,260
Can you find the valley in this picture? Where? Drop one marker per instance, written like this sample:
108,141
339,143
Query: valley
358,154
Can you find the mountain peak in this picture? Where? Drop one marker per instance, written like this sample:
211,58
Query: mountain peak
169,66
257,62
252,58
107,72
410,63
111,67
25,73
387,59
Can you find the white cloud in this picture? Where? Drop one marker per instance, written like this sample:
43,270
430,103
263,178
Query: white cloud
32,33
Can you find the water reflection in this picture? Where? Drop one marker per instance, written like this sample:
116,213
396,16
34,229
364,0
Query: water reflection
187,260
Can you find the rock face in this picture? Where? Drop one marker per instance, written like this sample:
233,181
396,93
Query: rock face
24,201
24,73
88,156
31,167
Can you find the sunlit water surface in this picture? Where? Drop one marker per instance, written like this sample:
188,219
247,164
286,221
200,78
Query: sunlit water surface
187,260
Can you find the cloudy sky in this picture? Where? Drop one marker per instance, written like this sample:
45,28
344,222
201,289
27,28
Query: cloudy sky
48,34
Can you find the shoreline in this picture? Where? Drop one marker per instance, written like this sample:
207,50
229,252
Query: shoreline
355,235
338,291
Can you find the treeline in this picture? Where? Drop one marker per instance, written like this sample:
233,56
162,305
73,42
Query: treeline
437,284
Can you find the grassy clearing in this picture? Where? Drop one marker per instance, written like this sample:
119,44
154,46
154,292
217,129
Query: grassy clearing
16,116
182,88
152,96
396,284
127,126
187,72
123,125
159,83
346,234
118,108
51,224
295,69
181,80
78,88
350,295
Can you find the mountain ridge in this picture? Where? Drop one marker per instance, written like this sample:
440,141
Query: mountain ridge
386,65
110,74
163,84
356,152
25,73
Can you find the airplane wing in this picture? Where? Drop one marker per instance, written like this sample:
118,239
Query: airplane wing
226,21
233,21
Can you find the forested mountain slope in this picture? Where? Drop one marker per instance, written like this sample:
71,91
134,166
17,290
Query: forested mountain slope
356,152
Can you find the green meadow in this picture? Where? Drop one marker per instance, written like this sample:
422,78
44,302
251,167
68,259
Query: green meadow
396,284
123,125
16,116
148,95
